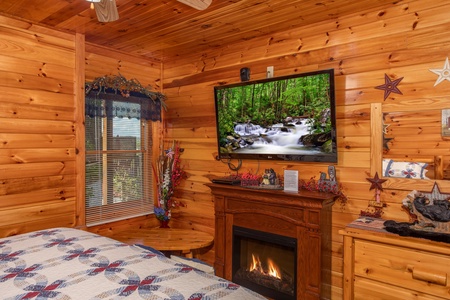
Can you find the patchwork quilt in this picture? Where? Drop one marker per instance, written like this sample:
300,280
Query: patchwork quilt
66,263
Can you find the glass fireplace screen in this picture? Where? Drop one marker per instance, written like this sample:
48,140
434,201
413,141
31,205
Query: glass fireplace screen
265,262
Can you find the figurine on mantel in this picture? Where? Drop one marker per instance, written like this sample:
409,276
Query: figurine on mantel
270,180
265,180
324,184
330,184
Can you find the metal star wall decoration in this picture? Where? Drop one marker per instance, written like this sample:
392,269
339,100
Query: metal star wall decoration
376,182
386,143
390,86
436,193
444,73
385,127
375,205
385,131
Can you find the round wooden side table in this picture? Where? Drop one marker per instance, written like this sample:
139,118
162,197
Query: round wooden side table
167,239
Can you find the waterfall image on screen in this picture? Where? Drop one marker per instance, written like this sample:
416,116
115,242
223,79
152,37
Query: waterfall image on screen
285,118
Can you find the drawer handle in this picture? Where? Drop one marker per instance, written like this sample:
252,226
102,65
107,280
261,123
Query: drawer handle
439,278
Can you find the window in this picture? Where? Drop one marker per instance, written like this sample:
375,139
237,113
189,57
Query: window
118,160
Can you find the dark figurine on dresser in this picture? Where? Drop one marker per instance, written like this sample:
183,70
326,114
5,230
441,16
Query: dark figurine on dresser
429,216
438,211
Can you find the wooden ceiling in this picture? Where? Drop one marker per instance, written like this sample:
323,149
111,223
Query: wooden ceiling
161,29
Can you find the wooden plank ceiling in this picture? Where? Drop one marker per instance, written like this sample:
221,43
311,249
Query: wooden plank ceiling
163,29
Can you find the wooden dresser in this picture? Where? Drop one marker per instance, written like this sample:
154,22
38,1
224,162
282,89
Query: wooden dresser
381,265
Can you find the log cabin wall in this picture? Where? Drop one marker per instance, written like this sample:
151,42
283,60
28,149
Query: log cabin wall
103,61
38,116
42,75
37,128
404,40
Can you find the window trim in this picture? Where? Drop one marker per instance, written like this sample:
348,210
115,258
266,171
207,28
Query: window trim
121,211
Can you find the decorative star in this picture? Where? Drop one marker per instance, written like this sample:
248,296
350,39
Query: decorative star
376,182
385,127
390,86
385,143
436,193
444,74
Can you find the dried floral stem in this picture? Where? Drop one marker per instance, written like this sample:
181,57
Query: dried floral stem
168,174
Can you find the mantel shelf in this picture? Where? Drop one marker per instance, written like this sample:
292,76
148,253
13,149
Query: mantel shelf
268,195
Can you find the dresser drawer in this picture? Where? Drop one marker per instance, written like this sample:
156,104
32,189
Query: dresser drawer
374,290
403,267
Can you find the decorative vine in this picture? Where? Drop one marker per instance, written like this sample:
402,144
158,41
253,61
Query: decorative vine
119,84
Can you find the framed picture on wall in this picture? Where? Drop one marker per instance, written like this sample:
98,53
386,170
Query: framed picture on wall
446,122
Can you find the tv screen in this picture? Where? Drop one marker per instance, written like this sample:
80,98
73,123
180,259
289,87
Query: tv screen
282,118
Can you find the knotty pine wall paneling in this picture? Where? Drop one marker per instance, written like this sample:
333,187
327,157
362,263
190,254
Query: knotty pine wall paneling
404,39
37,128
42,76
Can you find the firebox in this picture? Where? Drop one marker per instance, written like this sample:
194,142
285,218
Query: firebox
265,263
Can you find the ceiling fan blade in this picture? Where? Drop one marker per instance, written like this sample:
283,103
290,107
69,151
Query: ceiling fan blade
197,4
106,11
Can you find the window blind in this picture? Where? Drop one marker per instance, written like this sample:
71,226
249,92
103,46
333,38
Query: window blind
118,165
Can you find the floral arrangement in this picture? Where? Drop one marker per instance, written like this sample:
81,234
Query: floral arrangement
246,179
312,185
169,175
249,179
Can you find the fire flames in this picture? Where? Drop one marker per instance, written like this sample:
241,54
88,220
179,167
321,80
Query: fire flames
271,270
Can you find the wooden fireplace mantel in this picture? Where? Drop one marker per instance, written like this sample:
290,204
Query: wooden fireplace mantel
303,215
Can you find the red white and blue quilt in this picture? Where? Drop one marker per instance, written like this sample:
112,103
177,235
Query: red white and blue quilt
66,263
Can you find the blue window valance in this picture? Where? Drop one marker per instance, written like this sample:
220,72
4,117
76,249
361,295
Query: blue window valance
114,96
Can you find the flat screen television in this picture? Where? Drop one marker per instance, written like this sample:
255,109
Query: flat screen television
289,118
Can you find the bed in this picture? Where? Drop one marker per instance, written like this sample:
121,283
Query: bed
67,263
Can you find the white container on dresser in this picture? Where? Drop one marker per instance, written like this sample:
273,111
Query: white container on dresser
381,265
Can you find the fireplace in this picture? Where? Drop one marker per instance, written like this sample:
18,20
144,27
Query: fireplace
298,224
265,263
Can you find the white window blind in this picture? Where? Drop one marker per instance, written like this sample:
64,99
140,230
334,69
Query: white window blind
118,166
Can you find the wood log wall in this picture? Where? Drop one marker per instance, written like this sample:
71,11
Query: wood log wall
39,112
403,40
37,128
42,75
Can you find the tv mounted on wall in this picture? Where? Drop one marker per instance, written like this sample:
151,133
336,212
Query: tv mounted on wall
281,118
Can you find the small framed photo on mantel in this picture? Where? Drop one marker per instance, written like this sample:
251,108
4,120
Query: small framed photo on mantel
291,180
